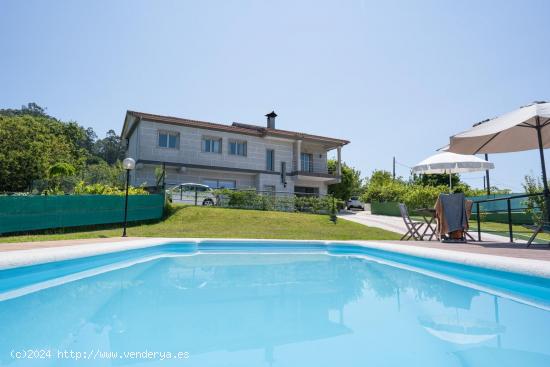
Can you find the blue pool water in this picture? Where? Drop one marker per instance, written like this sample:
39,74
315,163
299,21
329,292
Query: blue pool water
234,304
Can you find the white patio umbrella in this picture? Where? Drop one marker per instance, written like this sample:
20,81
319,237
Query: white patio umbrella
449,163
523,129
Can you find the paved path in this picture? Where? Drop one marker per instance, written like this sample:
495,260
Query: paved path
395,224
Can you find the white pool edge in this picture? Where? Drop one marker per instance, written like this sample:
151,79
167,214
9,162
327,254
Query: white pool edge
19,258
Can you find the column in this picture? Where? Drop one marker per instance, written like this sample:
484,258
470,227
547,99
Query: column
339,150
298,155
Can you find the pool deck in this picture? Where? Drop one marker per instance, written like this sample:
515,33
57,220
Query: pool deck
514,250
497,256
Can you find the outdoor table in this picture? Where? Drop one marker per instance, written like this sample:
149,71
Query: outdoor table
428,214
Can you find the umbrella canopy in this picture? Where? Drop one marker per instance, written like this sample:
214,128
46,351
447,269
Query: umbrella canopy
523,129
512,132
446,162
461,331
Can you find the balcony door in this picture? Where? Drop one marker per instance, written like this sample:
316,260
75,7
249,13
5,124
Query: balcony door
306,162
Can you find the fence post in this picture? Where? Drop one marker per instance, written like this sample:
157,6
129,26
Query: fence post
195,195
509,205
181,192
478,222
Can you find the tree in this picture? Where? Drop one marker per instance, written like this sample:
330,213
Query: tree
436,179
29,146
56,173
351,183
31,109
31,142
379,178
110,148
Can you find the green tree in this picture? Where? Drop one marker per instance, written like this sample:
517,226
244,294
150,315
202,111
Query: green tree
29,145
110,148
351,183
435,180
56,174
379,177
535,205
31,109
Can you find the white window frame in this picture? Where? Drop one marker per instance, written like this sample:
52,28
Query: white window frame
203,181
168,133
267,153
237,142
212,139
309,167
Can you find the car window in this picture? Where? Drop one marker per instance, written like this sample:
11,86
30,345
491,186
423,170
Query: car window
201,188
187,188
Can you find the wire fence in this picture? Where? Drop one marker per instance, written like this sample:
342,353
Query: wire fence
255,199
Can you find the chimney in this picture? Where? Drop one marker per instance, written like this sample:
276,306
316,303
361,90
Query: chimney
271,120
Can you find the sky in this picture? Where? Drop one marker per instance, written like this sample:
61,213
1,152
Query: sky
396,78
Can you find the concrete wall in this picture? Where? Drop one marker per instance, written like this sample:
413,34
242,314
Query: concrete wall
190,150
174,176
143,145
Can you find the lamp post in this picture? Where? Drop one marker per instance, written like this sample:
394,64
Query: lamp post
128,164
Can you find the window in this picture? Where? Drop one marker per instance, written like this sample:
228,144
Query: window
270,160
219,184
211,145
237,147
306,191
307,162
169,140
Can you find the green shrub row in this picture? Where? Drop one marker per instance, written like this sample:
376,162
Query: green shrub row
250,199
414,196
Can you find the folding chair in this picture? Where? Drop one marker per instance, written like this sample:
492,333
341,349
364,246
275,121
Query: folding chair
413,227
544,227
468,205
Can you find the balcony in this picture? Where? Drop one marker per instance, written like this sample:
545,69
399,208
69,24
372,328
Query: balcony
310,174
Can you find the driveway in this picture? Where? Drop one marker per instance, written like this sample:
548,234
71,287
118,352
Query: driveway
395,224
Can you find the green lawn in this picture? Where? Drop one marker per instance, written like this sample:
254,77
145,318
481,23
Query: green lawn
190,221
520,232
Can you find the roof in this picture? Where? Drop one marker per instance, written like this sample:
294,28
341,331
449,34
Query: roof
238,128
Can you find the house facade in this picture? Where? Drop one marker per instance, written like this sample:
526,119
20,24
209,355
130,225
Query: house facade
236,156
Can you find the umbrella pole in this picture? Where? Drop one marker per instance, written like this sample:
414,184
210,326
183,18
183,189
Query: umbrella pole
487,176
544,179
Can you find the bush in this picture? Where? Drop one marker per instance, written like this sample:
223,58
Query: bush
414,196
82,188
250,199
535,205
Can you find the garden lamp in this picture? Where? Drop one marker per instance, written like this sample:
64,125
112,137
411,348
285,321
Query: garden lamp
128,164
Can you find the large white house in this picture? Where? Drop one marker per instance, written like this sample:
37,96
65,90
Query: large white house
230,156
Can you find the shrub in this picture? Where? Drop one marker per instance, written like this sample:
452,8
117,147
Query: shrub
414,196
100,189
535,205
250,199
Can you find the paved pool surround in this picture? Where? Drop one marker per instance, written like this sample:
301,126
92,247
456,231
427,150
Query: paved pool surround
532,267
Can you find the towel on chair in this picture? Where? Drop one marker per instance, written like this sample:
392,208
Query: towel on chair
451,213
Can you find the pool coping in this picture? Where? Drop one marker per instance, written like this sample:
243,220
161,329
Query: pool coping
532,267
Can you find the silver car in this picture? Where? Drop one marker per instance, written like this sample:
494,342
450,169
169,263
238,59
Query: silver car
192,193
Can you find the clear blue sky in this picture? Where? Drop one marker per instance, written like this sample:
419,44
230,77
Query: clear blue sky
394,77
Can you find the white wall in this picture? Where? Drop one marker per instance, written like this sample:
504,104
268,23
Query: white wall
190,148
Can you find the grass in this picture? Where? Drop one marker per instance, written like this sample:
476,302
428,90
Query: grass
519,231
191,221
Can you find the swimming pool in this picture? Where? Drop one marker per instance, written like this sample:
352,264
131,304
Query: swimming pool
232,303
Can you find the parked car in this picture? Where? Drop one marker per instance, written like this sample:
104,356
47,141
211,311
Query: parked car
192,193
354,202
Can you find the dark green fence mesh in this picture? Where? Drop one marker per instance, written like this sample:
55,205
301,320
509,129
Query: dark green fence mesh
26,213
